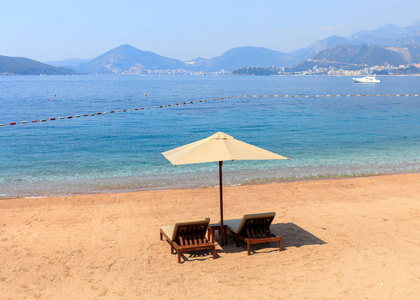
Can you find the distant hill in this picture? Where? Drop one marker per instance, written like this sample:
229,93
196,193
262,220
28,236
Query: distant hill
257,71
67,63
311,50
410,53
127,59
352,57
389,35
244,57
26,66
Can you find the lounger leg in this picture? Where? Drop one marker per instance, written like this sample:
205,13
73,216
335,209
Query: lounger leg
214,252
161,236
280,245
249,248
172,248
179,256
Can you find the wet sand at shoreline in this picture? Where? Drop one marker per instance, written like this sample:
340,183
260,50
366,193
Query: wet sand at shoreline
342,238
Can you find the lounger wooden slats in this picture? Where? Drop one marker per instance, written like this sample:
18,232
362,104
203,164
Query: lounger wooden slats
254,229
188,237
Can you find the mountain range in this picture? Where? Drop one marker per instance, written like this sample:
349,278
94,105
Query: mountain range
352,57
386,45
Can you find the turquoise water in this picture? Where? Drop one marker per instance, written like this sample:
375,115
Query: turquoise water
322,136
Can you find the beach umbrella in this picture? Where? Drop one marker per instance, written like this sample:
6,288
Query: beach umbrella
218,148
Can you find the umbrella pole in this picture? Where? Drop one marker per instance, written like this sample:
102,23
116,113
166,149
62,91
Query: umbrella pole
221,202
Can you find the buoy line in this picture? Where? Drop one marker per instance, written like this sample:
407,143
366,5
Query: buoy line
118,111
214,99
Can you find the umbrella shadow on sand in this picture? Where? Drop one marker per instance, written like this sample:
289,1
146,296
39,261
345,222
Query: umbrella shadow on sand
295,236
292,236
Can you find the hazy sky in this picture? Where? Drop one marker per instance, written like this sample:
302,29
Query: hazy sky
55,30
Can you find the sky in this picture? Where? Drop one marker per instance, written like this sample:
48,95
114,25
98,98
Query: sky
53,30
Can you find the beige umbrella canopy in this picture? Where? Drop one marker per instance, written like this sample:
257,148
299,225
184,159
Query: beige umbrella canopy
218,147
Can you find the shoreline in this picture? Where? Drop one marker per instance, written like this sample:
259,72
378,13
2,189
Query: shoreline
249,182
180,75
355,236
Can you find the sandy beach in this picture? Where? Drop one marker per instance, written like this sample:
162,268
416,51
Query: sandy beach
353,238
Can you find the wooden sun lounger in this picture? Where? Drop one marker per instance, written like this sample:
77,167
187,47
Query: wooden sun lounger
253,229
188,236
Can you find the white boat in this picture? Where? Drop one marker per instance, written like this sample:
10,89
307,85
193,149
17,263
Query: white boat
367,79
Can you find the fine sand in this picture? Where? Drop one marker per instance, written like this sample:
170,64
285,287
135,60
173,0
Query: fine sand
351,238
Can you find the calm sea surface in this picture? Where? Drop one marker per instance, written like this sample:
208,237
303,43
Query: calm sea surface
322,136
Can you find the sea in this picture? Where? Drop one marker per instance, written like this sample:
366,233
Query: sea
99,134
